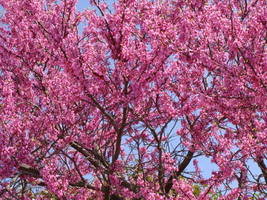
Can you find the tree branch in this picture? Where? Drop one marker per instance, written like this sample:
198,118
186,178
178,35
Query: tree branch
263,168
181,168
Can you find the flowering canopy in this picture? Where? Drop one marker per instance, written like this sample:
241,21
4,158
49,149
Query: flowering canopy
116,101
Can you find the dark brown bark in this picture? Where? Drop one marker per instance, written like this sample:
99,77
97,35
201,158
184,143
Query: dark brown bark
263,168
181,168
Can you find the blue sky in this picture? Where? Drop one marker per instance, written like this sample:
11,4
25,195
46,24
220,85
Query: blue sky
83,4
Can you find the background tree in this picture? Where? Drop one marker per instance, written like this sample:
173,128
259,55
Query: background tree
114,102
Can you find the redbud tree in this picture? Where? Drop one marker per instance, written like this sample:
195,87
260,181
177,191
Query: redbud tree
122,101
